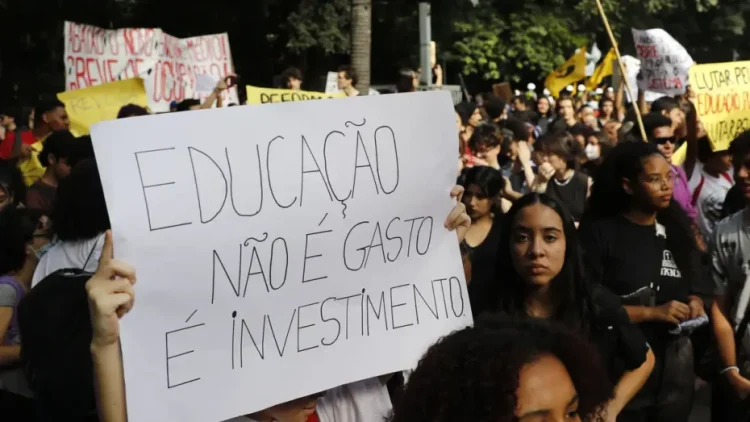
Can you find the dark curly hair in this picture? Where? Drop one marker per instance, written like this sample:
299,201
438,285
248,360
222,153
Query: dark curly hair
486,135
509,294
80,209
608,199
473,374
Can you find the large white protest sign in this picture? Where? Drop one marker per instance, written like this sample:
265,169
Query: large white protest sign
169,66
664,62
276,260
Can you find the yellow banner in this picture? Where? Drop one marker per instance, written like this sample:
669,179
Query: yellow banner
570,72
102,102
722,100
256,95
605,68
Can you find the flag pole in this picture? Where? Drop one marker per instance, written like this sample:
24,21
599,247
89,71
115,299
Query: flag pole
622,68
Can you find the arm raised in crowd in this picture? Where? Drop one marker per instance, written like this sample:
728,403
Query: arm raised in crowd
111,296
215,97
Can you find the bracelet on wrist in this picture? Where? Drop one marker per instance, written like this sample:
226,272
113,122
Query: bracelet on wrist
729,368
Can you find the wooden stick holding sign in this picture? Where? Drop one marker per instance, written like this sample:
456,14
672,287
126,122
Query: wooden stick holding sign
622,68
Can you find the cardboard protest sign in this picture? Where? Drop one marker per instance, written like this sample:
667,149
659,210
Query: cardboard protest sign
664,62
281,250
168,65
722,100
102,102
256,95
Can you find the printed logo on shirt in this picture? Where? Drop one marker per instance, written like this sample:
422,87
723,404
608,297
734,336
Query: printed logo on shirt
668,266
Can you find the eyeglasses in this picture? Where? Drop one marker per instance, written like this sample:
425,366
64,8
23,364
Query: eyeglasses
661,141
658,182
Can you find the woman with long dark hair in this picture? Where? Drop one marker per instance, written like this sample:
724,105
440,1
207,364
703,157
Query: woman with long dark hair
482,189
639,245
503,370
541,275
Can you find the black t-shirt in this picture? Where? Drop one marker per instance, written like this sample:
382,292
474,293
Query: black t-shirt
484,258
634,263
734,201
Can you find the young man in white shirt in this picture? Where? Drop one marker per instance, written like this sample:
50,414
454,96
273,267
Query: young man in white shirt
730,313
710,182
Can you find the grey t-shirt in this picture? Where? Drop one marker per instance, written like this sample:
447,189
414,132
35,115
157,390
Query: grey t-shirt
8,299
730,269
12,379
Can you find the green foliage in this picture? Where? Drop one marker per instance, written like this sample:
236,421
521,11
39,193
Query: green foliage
319,24
528,40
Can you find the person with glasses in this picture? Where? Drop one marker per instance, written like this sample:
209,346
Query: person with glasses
660,132
639,244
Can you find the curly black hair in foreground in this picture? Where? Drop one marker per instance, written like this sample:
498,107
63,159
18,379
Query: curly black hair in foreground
473,374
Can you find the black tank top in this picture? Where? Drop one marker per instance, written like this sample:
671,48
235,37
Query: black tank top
572,193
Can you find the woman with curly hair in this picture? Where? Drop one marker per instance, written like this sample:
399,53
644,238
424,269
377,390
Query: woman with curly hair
639,245
541,276
504,370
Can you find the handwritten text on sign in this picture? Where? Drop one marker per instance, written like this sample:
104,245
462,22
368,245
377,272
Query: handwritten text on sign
278,259
722,100
168,65
664,62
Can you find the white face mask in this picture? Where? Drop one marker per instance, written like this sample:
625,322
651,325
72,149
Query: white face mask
592,152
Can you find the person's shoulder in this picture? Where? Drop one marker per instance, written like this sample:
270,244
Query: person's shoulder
731,224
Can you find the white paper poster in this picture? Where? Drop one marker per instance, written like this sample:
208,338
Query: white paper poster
664,62
169,66
633,66
279,260
332,83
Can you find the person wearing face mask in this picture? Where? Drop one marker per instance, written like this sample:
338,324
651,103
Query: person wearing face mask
79,221
22,233
503,370
539,274
639,244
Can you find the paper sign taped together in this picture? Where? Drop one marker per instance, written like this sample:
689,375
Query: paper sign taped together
664,62
722,100
168,65
102,102
281,250
256,95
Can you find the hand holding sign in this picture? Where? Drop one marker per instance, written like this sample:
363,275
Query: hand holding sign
111,295
458,219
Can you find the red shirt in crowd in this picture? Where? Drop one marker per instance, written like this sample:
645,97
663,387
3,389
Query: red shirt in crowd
6,147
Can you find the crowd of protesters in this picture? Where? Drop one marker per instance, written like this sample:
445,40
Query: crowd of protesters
606,272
